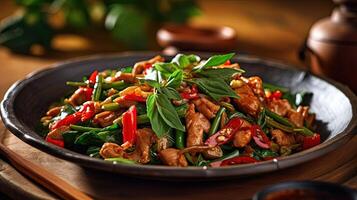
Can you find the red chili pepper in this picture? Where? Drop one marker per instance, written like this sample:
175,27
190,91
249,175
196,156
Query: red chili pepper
56,142
147,67
239,160
228,62
129,125
276,95
86,91
87,111
311,141
225,134
259,137
134,97
68,120
193,94
93,77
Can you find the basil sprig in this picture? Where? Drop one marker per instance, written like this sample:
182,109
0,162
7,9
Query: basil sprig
223,73
213,61
162,114
215,88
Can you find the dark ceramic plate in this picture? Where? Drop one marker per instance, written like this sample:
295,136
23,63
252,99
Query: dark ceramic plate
27,100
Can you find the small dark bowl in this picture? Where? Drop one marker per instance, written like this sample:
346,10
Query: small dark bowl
300,190
27,100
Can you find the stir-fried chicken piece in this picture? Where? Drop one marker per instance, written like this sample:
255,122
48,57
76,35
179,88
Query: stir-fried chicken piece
247,101
136,90
173,157
105,118
162,143
122,76
296,118
140,66
77,98
124,103
206,107
256,84
282,138
54,111
279,106
111,150
196,124
213,153
145,138
57,133
243,136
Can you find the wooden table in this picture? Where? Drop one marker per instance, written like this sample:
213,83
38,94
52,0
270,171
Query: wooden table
269,29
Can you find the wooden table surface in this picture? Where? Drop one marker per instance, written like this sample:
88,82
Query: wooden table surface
273,29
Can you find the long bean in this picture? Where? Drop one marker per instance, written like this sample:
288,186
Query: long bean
180,139
216,121
83,128
97,88
118,85
76,84
278,118
110,106
275,124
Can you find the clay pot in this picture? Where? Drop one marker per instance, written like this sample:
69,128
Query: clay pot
332,44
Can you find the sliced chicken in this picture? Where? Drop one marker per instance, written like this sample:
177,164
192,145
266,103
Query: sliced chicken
105,118
196,124
145,138
57,133
140,66
279,106
247,101
282,138
256,84
243,136
206,107
173,157
111,150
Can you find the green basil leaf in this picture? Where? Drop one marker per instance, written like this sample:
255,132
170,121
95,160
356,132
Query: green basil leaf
175,79
168,113
171,93
150,82
126,69
214,61
224,73
158,125
184,61
166,68
215,88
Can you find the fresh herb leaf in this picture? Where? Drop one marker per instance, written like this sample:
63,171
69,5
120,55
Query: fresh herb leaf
127,69
184,61
168,112
215,88
166,68
214,61
175,79
223,73
261,119
158,125
152,83
171,93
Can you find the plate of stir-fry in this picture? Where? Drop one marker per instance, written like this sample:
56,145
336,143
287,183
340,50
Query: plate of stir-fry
180,112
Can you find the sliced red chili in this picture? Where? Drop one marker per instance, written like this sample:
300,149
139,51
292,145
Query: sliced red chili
56,142
239,160
311,141
276,95
134,97
228,62
68,120
193,94
87,111
93,77
259,137
226,133
147,67
130,125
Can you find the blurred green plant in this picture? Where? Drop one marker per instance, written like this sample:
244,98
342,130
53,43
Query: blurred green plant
129,21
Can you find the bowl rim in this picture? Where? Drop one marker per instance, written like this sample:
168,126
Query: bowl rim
19,129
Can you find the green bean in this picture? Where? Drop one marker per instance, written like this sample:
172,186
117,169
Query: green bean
118,85
278,118
120,160
83,128
110,106
180,139
305,131
229,106
97,88
216,121
76,84
275,124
